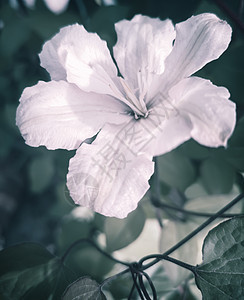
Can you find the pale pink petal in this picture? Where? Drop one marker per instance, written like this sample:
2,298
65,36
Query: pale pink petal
173,132
109,175
82,58
60,115
199,40
142,46
163,129
208,108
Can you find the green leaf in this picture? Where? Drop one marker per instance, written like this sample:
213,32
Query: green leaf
221,276
217,176
120,233
176,170
28,271
119,287
196,190
194,150
83,289
86,260
71,230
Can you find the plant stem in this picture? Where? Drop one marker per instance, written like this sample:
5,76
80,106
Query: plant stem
189,212
154,292
84,240
138,268
134,277
180,263
143,288
190,235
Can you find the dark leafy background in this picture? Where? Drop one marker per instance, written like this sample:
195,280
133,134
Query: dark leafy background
34,203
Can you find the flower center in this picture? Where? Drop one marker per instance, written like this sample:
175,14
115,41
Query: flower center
137,105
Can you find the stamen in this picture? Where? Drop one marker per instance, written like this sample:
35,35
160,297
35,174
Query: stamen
141,98
146,114
142,90
137,106
120,97
131,97
141,116
129,93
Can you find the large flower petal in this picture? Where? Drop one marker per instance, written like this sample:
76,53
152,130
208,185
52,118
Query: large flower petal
142,46
109,175
172,133
207,107
81,58
199,40
60,115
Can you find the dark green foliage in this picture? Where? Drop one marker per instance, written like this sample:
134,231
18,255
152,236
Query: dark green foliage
121,233
221,276
83,289
29,271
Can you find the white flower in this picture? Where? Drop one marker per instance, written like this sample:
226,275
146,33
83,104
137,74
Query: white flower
150,109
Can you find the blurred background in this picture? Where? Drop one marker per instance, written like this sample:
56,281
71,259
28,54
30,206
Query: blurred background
34,202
